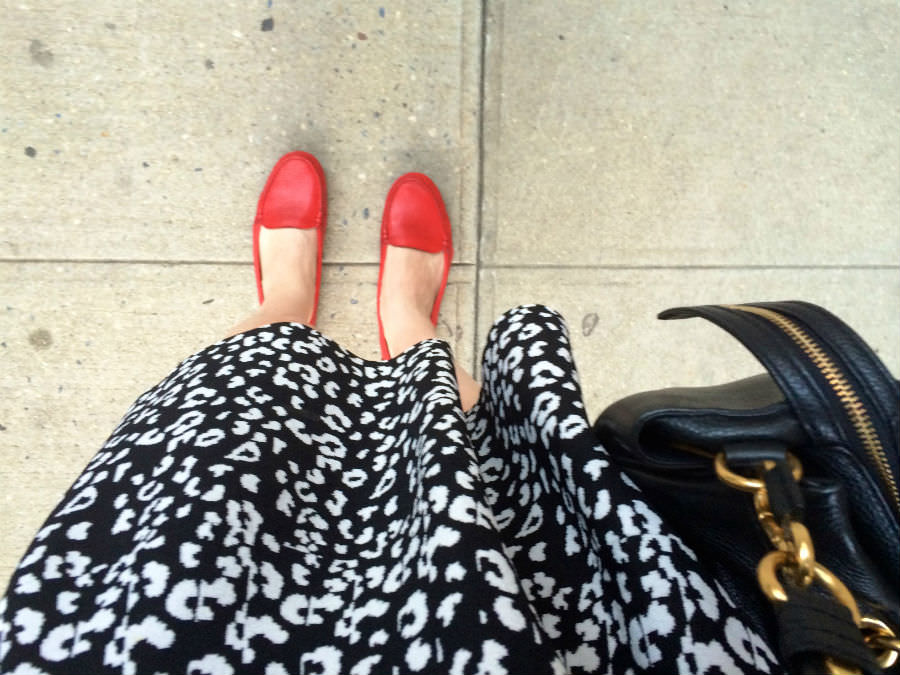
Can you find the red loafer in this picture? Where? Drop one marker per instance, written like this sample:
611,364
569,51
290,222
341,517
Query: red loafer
415,217
294,196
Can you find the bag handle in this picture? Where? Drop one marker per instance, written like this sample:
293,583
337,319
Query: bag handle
840,390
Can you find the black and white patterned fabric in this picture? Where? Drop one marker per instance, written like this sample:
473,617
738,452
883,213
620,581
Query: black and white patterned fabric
279,505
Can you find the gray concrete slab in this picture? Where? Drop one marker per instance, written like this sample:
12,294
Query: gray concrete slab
692,133
79,342
620,348
145,131
635,156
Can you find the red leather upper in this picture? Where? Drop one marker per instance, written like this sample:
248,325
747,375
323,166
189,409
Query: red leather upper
293,196
415,217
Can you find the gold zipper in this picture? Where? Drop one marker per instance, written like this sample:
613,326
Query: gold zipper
853,406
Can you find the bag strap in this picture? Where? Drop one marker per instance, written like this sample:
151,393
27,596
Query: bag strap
840,390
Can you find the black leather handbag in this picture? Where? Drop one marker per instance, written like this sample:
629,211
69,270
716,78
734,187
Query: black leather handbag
786,484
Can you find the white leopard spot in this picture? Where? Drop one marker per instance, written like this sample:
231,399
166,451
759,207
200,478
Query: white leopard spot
240,428
463,509
559,600
438,498
219,470
177,600
82,500
549,623
211,664
79,531
455,572
336,419
156,574
162,467
274,582
656,585
538,552
443,536
152,631
187,554
533,521
246,452
603,504
509,616
595,467
572,426
214,494
656,620
29,622
492,653
33,557
588,630
378,638
150,491
412,617
189,601
52,567
326,659
496,569
738,637
220,590
460,659
464,480
418,655
708,603
53,646
365,666
447,609
585,658
28,583
66,602
336,504
45,532
109,597
250,482
294,608
209,438
151,437
573,545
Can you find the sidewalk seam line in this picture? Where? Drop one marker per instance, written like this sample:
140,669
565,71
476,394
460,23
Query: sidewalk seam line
479,195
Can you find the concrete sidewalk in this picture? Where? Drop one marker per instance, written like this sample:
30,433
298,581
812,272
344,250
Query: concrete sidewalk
607,159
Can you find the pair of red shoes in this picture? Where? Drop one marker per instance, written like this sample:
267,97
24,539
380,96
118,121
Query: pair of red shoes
414,217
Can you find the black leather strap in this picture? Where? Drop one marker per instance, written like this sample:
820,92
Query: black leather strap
785,498
812,627
753,454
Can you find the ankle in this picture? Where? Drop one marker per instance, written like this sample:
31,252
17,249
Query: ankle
295,303
403,333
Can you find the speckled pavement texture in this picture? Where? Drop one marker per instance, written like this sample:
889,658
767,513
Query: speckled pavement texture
609,160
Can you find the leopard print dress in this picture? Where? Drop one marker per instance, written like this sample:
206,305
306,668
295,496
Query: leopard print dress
279,505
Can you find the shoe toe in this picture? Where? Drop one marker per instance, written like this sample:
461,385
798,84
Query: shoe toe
293,195
415,216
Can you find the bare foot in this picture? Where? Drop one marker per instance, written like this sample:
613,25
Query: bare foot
409,287
288,259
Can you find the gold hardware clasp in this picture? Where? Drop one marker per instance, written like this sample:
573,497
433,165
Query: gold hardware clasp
767,575
746,484
795,557
879,636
